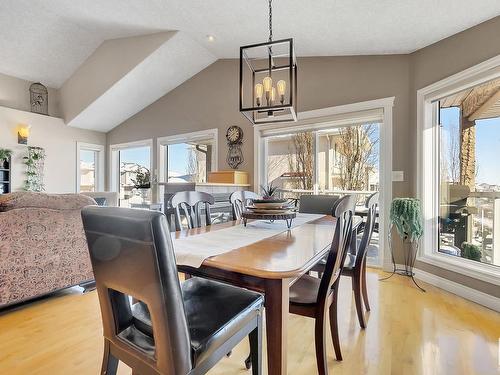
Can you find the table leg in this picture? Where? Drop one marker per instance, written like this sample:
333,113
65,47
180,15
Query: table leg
276,303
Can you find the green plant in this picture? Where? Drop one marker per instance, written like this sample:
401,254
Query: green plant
471,251
268,191
406,216
142,179
5,153
34,162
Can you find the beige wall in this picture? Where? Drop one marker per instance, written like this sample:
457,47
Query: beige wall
439,61
58,140
14,93
210,99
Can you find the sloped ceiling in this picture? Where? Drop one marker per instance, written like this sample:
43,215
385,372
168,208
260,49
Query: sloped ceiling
125,75
58,42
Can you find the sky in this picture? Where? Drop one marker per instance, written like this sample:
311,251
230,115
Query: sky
487,144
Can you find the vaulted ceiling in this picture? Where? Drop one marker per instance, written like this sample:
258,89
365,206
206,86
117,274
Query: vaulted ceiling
46,40
70,44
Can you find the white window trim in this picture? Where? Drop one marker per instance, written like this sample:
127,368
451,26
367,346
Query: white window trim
114,170
182,138
380,109
427,179
100,167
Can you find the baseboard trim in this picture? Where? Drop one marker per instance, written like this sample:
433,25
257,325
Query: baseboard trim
460,290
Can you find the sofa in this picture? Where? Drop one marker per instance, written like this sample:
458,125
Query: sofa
42,245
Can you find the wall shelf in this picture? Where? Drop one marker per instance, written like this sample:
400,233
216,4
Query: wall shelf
5,176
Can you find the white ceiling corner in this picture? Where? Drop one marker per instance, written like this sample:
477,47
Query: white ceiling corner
174,62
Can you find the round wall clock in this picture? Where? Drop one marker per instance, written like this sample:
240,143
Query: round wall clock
234,136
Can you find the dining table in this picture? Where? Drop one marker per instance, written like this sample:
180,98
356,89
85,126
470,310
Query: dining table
270,266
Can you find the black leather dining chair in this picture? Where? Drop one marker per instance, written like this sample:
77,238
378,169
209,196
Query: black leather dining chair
239,200
189,204
355,263
317,204
315,297
174,329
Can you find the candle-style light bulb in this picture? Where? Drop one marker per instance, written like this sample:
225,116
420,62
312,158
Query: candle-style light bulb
273,95
267,84
281,86
259,90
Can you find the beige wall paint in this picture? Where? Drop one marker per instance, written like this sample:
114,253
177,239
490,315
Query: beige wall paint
58,140
210,99
14,93
438,61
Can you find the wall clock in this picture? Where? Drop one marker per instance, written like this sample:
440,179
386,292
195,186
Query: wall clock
234,137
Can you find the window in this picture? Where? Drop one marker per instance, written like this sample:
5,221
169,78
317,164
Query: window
459,178
90,167
469,197
333,155
188,157
131,173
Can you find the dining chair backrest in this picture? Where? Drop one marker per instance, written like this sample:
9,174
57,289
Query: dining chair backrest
239,200
371,217
189,204
343,211
132,255
317,204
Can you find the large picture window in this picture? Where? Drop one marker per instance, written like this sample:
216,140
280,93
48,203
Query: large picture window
469,178
335,155
187,157
458,176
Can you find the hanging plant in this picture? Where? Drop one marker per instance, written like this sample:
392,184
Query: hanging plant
406,216
34,162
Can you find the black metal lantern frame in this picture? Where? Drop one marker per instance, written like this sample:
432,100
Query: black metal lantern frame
275,59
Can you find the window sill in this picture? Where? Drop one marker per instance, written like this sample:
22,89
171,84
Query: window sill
484,272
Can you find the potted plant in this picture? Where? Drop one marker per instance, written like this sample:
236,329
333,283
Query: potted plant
5,154
142,181
406,216
269,197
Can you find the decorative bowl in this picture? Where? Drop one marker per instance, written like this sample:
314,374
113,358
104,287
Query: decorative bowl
269,203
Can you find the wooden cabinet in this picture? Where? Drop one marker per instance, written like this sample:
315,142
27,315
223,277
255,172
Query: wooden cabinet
228,177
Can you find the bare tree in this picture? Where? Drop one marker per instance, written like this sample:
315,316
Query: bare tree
454,155
358,155
192,165
300,159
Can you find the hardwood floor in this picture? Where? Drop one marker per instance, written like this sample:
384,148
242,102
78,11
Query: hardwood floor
409,332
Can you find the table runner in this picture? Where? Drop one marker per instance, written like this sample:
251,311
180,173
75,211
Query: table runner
193,250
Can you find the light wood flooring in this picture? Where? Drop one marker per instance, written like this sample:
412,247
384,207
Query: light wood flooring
409,332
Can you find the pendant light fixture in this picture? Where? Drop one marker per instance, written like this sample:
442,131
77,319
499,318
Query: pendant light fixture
268,80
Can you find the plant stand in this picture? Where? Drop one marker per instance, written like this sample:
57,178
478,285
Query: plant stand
410,257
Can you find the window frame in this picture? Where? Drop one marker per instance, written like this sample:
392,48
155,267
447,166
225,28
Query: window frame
428,168
184,138
379,110
99,167
114,164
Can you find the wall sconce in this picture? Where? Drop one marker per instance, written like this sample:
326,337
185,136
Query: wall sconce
23,133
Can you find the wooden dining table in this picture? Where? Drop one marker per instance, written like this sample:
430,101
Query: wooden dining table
269,266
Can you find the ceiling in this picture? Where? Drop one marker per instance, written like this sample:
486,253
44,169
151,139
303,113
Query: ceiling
47,40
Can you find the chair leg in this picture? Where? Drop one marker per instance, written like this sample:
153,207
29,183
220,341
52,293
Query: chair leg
356,288
364,290
109,362
334,325
256,348
320,343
